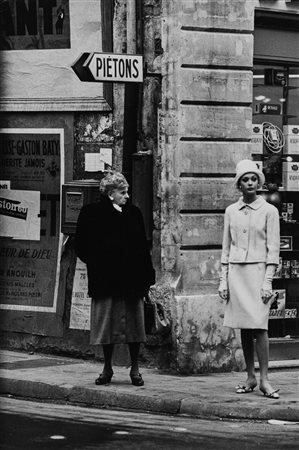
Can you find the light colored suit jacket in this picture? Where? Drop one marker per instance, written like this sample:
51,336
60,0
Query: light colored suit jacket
251,233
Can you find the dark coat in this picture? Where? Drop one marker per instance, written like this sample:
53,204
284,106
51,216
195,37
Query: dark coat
114,247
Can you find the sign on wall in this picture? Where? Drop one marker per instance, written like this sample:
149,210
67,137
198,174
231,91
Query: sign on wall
33,161
101,67
80,307
34,24
269,109
61,29
20,214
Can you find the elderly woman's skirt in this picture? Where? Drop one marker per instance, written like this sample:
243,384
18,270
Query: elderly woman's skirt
116,320
245,308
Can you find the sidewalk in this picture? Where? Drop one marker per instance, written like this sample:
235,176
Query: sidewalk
60,379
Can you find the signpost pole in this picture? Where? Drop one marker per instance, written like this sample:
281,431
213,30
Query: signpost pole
131,105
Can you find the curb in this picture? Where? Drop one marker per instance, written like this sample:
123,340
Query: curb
210,410
89,397
158,403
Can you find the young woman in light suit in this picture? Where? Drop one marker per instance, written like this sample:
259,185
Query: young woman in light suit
250,255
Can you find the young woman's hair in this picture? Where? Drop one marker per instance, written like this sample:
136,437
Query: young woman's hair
111,181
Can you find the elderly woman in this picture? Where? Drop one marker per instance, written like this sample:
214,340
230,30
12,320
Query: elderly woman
250,254
111,240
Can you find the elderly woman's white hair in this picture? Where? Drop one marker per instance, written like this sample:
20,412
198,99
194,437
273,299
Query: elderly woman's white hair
113,180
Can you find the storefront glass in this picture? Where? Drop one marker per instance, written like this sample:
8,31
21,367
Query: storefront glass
276,137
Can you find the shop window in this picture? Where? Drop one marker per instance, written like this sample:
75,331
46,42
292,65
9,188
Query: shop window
275,145
276,111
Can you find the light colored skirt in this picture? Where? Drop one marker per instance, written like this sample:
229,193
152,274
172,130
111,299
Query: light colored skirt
245,308
116,320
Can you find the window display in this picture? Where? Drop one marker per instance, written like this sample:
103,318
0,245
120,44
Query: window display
275,146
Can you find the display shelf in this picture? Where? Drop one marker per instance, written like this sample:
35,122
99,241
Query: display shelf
288,325
286,279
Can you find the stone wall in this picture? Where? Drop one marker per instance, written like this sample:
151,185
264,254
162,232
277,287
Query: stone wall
205,129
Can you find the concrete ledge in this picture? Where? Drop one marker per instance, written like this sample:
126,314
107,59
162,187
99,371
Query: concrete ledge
285,364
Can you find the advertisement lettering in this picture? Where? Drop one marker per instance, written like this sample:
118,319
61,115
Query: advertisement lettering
30,239
34,24
13,209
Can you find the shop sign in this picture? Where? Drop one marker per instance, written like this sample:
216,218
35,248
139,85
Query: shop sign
109,67
270,109
32,161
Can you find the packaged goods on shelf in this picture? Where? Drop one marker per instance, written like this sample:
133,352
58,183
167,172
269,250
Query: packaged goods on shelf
291,133
260,165
290,175
295,268
287,212
278,271
257,139
290,211
284,212
286,269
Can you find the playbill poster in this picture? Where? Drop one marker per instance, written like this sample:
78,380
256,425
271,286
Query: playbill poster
34,24
30,239
80,307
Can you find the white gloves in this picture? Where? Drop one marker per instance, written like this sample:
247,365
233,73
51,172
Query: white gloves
266,291
270,271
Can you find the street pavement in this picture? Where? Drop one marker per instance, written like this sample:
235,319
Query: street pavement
67,380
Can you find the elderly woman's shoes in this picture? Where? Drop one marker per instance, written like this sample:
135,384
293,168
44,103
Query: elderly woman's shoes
104,378
136,379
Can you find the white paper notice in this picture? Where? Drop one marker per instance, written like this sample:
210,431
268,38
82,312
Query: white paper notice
93,162
106,155
19,214
80,307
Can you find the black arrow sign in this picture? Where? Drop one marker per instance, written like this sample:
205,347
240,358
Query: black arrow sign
82,72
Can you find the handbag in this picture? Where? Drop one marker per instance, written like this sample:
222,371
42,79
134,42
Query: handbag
155,319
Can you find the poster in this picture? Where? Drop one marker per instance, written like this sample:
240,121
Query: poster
34,24
277,309
20,214
33,161
40,40
80,307
4,184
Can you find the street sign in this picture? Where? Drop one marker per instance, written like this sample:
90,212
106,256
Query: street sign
266,108
119,68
